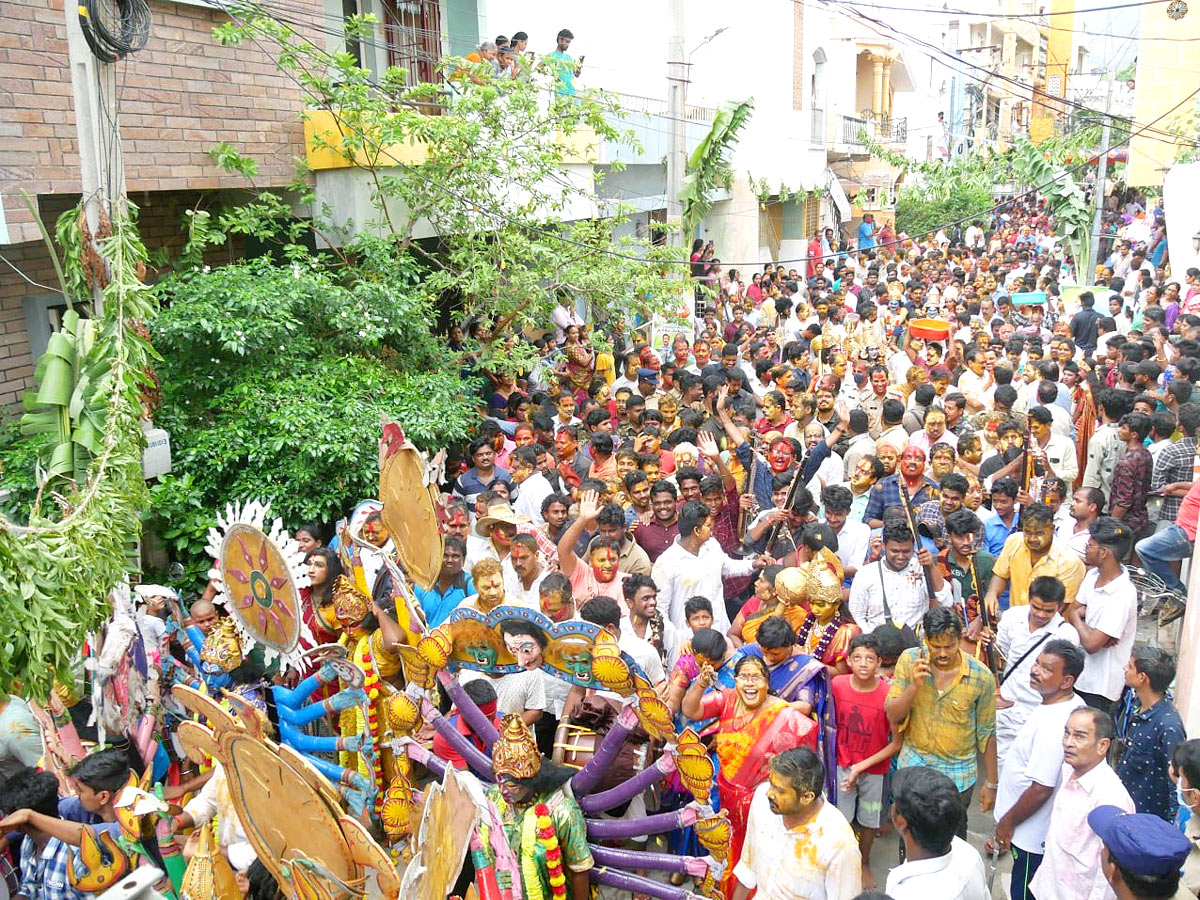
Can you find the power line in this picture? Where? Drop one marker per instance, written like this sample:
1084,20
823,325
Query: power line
930,50
1035,16
553,235
45,287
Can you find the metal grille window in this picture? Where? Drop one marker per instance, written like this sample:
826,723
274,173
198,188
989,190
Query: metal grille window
414,37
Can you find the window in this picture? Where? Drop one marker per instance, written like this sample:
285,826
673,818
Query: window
414,37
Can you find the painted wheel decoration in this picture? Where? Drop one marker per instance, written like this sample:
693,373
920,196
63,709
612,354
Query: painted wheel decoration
259,575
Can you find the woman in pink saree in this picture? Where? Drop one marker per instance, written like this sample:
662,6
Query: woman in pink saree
753,726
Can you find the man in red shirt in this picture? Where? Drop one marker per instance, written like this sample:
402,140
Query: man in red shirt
1158,551
484,695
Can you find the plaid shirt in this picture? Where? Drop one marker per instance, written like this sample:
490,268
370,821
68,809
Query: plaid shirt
887,493
1174,464
947,731
1131,488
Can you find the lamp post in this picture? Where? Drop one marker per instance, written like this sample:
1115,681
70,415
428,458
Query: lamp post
1196,241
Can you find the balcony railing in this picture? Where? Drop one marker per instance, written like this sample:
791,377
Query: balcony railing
655,107
817,136
852,129
879,128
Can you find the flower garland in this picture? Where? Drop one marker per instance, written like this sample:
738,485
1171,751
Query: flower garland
825,640
538,826
371,686
549,841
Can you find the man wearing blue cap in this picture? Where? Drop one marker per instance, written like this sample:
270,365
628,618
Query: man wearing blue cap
1142,853
647,385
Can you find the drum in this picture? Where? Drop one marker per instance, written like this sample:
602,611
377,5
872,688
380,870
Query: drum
574,745
929,329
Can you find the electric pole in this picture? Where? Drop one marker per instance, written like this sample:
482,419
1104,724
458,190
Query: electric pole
677,76
1098,190
101,166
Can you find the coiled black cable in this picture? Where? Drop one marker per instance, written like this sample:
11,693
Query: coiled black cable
114,28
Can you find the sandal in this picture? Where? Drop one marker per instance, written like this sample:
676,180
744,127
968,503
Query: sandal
1173,608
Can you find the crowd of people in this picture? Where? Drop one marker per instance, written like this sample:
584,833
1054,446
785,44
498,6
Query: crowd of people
978,496
867,528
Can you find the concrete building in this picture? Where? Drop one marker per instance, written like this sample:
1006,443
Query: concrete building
1166,75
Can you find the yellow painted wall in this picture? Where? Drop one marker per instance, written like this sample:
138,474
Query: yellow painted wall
1167,72
1059,46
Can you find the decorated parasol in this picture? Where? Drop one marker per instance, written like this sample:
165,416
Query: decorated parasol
258,575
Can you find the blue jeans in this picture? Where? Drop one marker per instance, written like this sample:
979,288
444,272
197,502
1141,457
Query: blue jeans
1158,551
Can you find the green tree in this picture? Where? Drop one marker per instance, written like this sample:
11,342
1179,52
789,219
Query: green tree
276,378
503,184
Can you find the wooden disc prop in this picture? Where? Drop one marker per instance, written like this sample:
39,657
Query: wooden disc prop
196,740
445,834
283,815
410,514
929,329
199,704
262,595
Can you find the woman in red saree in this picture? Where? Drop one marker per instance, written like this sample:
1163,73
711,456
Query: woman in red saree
753,726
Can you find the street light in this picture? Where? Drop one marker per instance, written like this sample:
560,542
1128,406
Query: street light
1196,241
711,37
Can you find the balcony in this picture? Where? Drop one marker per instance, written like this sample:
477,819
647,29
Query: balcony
884,129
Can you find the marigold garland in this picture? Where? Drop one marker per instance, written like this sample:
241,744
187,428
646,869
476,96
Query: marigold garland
371,686
549,841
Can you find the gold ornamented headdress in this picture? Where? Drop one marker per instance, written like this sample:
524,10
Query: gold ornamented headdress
221,648
516,754
349,603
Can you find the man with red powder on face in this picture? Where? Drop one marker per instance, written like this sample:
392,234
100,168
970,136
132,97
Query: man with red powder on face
598,576
573,463
781,453
887,492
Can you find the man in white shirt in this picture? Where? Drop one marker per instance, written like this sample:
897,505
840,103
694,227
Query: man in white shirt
798,846
927,813
532,486
645,622
976,382
694,566
897,583
1032,768
1105,613
1056,452
523,573
853,537
1070,868
1022,633
605,612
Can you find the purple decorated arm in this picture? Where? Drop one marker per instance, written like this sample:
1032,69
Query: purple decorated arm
475,758
606,754
627,790
636,884
621,829
693,866
425,757
471,713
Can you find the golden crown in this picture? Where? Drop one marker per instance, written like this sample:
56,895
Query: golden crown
515,753
349,603
221,648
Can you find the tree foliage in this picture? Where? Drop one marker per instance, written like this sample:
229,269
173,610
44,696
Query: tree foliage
276,378
503,185
708,167
70,548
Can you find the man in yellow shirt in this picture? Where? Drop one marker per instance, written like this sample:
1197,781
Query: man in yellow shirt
944,702
1029,554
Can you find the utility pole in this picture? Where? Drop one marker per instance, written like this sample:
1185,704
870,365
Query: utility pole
101,165
1098,190
677,76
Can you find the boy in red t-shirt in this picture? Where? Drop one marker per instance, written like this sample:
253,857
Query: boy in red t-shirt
865,745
